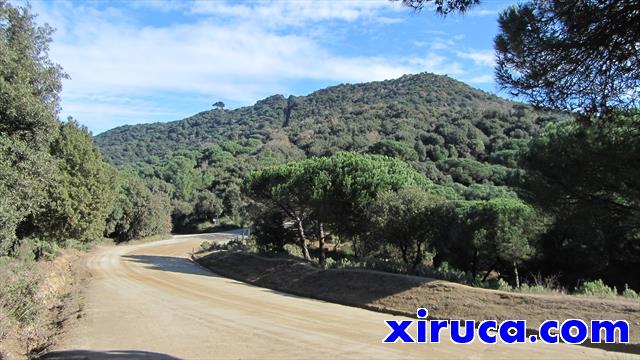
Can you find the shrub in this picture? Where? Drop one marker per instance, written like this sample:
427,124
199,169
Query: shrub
330,263
19,284
629,293
542,285
446,272
231,245
596,288
533,289
497,284
293,250
205,246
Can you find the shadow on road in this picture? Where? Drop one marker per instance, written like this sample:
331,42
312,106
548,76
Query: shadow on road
168,263
108,354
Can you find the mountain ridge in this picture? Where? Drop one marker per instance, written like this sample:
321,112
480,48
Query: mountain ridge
427,117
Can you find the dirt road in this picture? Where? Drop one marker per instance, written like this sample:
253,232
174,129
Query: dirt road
150,301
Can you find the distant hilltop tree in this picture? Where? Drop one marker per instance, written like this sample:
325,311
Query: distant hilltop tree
219,105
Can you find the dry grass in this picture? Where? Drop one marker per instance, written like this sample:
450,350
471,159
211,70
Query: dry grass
36,298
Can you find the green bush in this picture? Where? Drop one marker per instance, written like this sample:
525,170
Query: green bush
293,250
497,284
533,289
629,293
596,288
205,246
445,272
36,249
330,263
231,245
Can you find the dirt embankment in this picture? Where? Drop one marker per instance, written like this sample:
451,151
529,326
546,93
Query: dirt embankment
402,294
57,301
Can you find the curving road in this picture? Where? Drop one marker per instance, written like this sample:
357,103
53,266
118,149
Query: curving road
150,301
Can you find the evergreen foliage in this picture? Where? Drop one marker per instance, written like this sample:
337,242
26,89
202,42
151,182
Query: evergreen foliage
139,211
81,194
54,186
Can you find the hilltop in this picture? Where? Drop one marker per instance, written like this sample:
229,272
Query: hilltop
423,119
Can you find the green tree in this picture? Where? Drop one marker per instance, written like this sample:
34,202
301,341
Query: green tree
498,231
410,220
180,171
208,206
578,55
333,190
24,173
29,102
81,195
138,211
283,187
30,83
346,184
593,192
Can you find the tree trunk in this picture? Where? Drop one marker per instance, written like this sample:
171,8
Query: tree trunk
489,271
418,259
321,256
336,243
405,258
474,267
303,240
515,271
354,246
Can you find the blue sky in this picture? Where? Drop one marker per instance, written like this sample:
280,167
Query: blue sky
158,60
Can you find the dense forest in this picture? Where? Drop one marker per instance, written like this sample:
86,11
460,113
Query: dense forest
424,119
452,133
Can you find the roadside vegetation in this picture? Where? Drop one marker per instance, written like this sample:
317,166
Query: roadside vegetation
56,192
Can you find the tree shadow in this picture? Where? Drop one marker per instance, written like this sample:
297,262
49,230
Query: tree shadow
169,263
106,354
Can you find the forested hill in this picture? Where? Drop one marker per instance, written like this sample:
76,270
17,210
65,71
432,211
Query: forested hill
416,117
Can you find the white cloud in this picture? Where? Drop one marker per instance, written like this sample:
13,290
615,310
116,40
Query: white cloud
479,57
481,79
438,64
483,12
107,53
236,52
161,5
238,62
296,13
441,42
